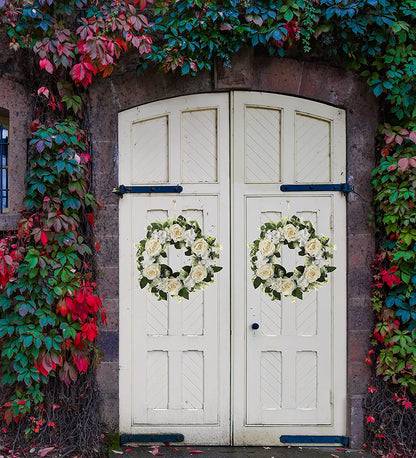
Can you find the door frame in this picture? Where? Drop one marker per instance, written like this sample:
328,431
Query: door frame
234,330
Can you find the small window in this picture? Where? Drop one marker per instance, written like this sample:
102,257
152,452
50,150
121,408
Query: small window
4,160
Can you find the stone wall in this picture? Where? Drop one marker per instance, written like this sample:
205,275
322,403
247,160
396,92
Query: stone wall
314,81
15,98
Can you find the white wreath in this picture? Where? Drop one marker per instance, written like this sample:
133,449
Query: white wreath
159,278
296,234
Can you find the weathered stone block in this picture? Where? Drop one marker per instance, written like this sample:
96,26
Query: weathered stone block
108,282
358,377
108,344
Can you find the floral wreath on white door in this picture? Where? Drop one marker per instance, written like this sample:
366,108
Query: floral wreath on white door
159,277
272,276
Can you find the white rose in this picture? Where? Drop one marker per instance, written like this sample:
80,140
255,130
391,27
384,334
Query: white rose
161,236
152,271
198,273
162,284
277,235
274,260
275,283
320,262
303,236
207,262
199,247
313,247
189,236
290,232
266,247
147,260
153,247
177,232
312,273
287,286
303,283
188,283
174,286
265,271
260,260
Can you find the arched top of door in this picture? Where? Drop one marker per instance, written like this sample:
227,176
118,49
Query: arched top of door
311,80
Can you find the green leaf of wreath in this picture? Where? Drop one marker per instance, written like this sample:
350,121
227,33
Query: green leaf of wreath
257,282
216,268
277,295
143,282
297,293
184,293
165,269
281,271
330,268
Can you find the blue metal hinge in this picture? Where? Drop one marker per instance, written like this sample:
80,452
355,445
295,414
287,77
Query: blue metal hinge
125,438
121,190
314,440
343,187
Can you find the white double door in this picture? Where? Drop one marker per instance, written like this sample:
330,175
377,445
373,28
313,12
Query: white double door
197,367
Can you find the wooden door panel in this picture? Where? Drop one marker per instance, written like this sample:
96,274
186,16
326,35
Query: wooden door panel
174,355
289,375
293,353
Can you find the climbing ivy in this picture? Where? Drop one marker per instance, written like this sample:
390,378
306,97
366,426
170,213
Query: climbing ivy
42,270
49,309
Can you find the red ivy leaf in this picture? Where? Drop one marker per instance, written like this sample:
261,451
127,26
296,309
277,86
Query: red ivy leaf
78,342
62,308
91,219
46,64
390,279
45,91
45,451
121,43
108,70
225,26
407,404
155,451
43,238
403,163
142,3
82,73
89,331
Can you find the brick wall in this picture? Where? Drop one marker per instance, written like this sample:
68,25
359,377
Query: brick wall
258,73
